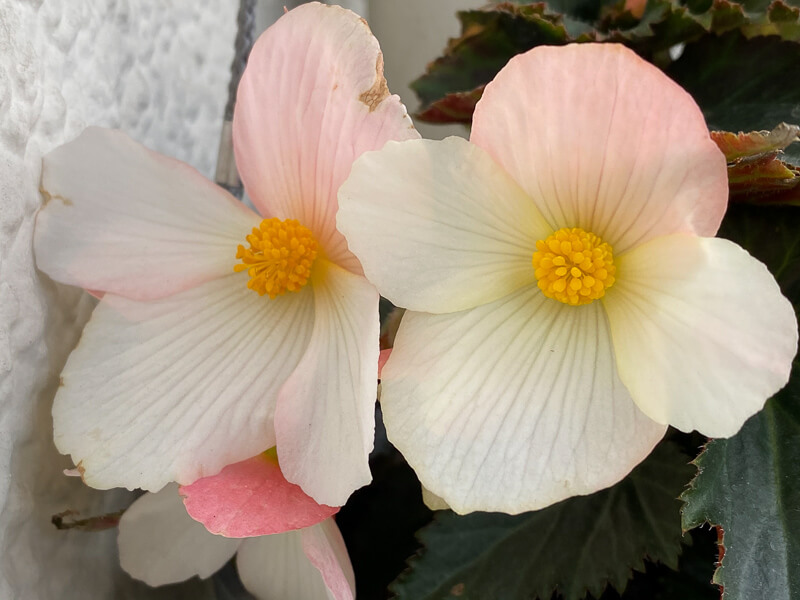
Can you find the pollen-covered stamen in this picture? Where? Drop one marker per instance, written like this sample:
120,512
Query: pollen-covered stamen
279,258
574,266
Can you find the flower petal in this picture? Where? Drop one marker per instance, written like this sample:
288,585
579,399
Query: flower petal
616,148
512,406
382,358
438,226
322,71
275,566
325,418
324,546
123,219
702,334
175,389
252,498
159,543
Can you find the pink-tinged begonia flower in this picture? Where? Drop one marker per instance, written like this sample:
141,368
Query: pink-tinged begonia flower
589,175
160,543
184,368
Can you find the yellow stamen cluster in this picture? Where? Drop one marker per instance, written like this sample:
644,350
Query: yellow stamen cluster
279,258
574,266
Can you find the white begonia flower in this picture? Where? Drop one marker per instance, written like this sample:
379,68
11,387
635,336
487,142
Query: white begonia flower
566,299
159,543
184,368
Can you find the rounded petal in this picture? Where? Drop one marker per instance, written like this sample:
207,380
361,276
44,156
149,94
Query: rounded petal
123,219
702,334
159,543
616,148
512,406
324,547
177,388
252,498
325,418
438,226
312,99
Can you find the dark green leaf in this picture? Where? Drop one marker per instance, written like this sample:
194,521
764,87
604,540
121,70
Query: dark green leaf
578,545
749,485
669,22
489,39
583,10
743,85
692,580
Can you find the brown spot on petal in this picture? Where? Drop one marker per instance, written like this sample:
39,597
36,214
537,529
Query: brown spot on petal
48,197
60,381
379,90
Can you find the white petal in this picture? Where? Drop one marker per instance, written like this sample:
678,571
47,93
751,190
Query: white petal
438,226
325,418
126,220
274,567
311,100
512,406
702,334
177,388
324,546
160,543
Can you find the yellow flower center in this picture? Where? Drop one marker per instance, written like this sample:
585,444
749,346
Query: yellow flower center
574,266
279,258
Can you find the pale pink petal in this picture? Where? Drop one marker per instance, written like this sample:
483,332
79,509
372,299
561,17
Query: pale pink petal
274,567
177,388
325,418
123,219
603,140
324,546
438,226
251,498
512,406
311,100
159,543
702,334
382,358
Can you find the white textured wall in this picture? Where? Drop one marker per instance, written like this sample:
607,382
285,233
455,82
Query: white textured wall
159,70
